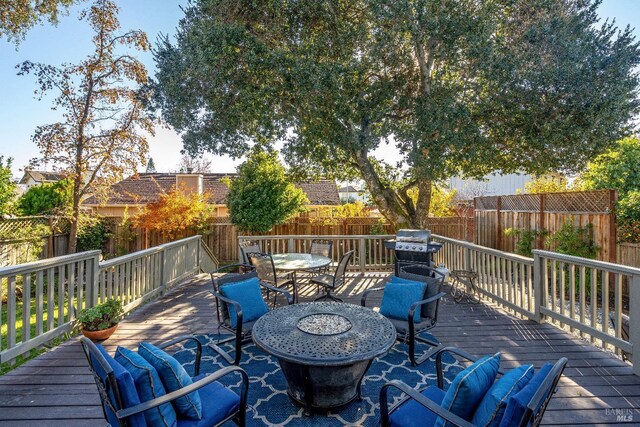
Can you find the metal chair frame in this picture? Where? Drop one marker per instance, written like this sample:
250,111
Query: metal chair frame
334,281
110,386
532,416
240,334
412,334
269,275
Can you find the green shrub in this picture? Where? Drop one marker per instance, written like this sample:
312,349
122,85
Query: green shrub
92,234
102,316
574,240
524,239
47,198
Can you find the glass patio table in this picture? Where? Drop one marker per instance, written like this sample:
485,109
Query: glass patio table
295,262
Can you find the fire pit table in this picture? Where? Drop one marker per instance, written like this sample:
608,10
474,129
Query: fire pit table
324,349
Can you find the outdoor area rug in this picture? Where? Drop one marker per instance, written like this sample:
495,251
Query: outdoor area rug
270,405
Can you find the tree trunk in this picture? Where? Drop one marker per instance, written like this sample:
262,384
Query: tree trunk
75,216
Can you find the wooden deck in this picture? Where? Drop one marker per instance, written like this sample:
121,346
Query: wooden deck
56,388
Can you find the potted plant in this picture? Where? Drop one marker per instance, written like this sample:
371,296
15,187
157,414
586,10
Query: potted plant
99,322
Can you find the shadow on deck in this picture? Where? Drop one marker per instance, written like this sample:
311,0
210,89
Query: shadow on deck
57,389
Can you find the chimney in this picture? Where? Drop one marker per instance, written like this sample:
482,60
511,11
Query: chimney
190,182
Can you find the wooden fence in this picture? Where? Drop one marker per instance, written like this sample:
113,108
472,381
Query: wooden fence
19,250
548,212
221,236
43,297
576,294
370,253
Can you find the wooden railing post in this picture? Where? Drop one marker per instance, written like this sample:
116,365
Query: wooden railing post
94,282
538,283
467,259
363,254
163,267
634,322
291,248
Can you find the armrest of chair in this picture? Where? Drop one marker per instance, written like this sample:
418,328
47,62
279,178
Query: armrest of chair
363,300
417,304
457,352
236,305
422,400
196,367
127,412
280,290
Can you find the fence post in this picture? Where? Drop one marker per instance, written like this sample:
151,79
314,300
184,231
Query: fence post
163,268
467,259
198,255
634,322
291,247
537,286
498,224
363,254
94,280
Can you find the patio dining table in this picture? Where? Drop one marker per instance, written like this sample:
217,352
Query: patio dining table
295,262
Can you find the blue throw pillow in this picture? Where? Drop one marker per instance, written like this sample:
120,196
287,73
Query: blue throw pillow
248,294
491,409
148,385
174,377
469,387
126,387
517,403
433,287
398,297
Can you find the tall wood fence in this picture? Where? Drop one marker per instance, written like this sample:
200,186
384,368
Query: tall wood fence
19,250
222,237
495,214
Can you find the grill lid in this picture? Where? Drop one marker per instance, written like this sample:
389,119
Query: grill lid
414,236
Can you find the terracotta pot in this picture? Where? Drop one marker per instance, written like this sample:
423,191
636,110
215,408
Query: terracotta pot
100,335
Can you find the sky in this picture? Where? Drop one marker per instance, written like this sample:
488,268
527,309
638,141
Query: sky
70,41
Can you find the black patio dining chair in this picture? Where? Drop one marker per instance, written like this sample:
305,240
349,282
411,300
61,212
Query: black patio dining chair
239,305
266,270
248,247
330,282
150,388
321,247
412,313
481,394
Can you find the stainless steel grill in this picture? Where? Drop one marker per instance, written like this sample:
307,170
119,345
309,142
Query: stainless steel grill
413,247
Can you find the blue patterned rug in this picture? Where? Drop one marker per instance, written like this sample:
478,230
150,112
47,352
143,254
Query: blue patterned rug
268,401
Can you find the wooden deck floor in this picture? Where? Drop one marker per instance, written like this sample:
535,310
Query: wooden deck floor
56,389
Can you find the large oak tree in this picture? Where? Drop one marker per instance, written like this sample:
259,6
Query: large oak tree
458,86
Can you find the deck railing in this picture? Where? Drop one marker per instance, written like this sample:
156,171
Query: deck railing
573,293
43,297
370,253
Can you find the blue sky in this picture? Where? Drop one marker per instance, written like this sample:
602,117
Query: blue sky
70,41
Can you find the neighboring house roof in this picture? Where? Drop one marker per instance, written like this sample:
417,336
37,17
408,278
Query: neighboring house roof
147,187
349,189
41,176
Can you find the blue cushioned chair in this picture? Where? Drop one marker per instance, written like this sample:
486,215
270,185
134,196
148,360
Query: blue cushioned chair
422,408
407,328
234,319
122,406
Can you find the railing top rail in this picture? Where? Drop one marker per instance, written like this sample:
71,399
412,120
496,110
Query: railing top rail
146,252
46,263
505,255
316,236
603,265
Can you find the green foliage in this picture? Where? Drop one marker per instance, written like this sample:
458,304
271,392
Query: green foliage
617,168
92,234
262,196
151,166
574,240
525,239
7,186
442,201
47,198
18,17
546,184
101,316
379,228
461,87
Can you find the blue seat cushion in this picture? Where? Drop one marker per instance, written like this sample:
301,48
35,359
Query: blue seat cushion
174,377
218,402
148,385
413,414
126,387
398,297
248,294
469,387
491,408
432,288
517,403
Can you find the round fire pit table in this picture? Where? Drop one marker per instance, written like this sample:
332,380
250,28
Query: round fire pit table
324,349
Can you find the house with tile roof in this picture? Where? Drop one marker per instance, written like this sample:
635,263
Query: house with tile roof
135,192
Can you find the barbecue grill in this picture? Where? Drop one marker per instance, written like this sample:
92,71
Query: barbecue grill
413,247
